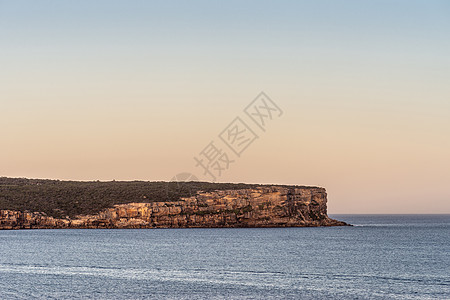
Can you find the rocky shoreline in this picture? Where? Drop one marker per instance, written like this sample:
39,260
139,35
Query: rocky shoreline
271,206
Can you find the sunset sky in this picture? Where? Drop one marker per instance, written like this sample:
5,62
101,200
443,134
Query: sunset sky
134,90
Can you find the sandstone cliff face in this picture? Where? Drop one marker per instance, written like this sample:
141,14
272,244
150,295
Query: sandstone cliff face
260,207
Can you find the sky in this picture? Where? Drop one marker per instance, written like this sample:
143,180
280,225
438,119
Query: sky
135,90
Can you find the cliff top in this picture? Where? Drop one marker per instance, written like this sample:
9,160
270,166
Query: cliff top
70,198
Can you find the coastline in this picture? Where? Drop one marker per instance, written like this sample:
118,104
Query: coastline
261,207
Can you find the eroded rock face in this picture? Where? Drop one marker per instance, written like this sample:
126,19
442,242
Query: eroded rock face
261,207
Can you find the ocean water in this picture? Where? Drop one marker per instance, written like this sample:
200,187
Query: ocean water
381,257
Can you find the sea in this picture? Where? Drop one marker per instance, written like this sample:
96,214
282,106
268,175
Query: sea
380,257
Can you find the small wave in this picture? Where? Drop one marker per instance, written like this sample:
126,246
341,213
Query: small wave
415,225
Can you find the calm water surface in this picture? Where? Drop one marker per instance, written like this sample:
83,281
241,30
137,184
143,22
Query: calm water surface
382,257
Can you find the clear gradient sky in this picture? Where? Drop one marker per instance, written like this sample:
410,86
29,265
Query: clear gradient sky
135,89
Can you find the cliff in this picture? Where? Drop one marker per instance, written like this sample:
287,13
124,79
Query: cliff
264,206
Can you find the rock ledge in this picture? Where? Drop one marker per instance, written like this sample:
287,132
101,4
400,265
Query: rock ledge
270,206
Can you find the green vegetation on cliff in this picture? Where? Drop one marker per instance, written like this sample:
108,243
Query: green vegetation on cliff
70,198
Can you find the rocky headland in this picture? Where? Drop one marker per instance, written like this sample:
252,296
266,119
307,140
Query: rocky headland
262,206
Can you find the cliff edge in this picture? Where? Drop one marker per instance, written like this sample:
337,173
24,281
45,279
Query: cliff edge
261,206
